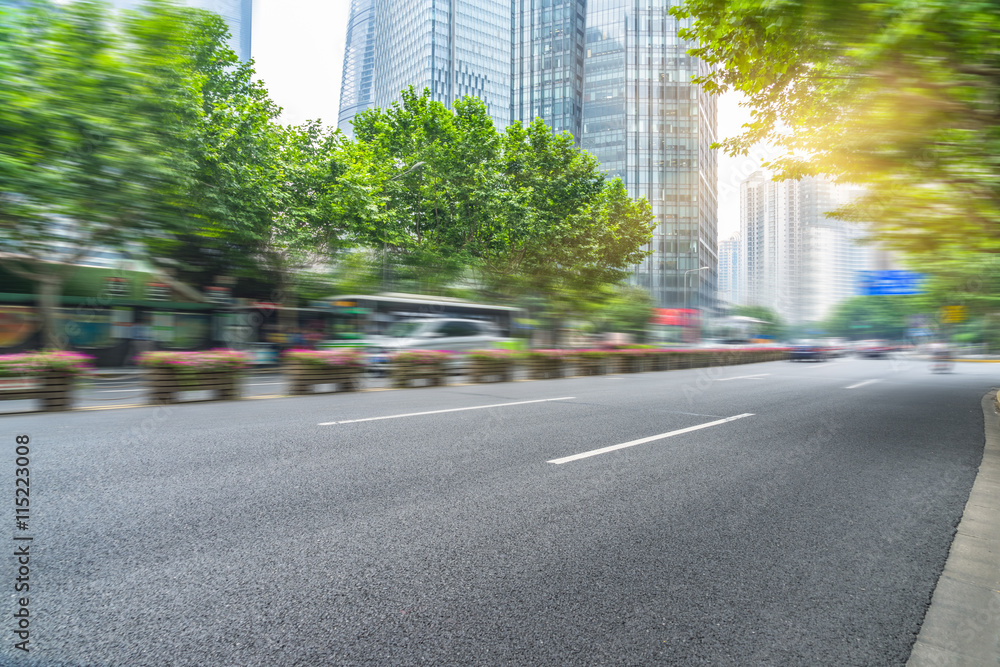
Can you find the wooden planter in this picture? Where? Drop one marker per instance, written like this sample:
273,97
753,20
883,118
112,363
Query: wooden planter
542,368
165,383
404,374
590,365
54,390
629,363
303,378
490,370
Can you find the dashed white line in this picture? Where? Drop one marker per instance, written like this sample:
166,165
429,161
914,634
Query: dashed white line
438,412
744,377
641,441
862,384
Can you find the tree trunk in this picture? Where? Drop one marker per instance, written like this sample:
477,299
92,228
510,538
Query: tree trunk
288,320
49,290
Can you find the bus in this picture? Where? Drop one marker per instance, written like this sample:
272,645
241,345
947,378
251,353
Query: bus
358,316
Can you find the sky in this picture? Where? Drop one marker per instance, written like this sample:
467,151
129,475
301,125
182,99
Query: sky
298,48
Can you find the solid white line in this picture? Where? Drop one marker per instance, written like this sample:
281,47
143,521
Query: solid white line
640,441
744,377
861,384
437,412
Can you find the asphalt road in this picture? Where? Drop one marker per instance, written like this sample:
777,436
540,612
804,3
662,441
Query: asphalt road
810,530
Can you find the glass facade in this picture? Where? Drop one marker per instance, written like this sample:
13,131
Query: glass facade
452,47
359,64
547,63
647,123
238,15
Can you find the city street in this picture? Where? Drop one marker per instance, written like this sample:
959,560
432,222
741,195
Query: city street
769,514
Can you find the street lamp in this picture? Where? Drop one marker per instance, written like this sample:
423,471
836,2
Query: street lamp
686,286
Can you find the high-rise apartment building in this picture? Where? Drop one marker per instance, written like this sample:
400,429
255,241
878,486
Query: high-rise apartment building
613,73
238,15
730,285
797,261
646,122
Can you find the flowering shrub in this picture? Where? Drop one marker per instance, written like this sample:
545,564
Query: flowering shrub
592,354
342,358
212,360
35,363
420,357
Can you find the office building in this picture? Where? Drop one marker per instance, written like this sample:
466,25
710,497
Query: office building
646,122
548,42
454,49
359,63
238,15
797,261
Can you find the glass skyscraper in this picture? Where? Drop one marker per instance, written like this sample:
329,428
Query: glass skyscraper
452,47
547,63
647,123
359,63
238,15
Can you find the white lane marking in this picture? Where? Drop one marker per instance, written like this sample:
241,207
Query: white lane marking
744,377
437,412
861,384
641,441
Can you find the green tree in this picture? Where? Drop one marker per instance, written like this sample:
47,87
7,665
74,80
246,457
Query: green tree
86,157
873,317
524,210
894,95
623,309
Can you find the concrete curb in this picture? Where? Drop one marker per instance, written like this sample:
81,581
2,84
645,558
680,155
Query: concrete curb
962,625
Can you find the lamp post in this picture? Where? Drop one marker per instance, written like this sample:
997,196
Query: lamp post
686,288
416,165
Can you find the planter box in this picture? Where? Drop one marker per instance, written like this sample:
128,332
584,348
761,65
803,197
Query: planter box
54,390
590,365
405,373
490,370
303,378
544,367
166,383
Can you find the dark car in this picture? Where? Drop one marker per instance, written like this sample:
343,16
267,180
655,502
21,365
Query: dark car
873,349
807,350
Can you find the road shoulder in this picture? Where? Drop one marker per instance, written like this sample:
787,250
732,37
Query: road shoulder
962,625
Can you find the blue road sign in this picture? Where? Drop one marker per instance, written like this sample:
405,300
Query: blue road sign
874,283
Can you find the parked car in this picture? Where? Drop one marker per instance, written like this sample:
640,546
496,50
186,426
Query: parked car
807,350
449,334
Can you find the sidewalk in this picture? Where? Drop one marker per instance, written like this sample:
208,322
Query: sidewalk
962,625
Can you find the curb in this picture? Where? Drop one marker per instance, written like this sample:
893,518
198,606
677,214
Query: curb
962,624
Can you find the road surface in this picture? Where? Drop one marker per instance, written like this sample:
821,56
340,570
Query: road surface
778,513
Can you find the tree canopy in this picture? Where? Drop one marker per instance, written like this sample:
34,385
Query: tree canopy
898,96
524,207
